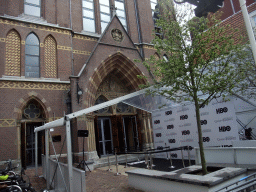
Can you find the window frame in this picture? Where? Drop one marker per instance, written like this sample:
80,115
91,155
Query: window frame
124,10
33,5
38,56
104,13
89,18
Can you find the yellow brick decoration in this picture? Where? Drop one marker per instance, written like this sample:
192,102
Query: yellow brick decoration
81,52
2,39
84,38
35,26
50,57
33,85
7,122
64,48
149,47
12,62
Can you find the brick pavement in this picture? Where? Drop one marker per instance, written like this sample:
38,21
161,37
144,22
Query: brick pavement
99,180
102,180
38,183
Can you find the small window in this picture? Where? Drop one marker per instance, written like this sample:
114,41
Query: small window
32,56
32,7
88,16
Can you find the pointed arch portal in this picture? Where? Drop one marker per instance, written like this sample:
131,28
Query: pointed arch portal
121,67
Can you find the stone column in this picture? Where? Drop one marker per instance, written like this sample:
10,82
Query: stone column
92,152
150,130
144,118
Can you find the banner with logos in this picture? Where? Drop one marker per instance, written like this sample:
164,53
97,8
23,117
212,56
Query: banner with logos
175,127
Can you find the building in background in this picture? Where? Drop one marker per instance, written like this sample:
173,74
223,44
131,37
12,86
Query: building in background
58,57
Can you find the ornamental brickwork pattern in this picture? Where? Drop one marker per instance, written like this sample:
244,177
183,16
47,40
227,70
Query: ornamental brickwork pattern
33,85
7,122
50,58
12,65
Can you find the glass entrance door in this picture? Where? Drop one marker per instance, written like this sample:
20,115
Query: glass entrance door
105,136
30,144
131,133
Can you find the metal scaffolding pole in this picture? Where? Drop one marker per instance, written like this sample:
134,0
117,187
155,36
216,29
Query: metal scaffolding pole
248,27
36,151
47,158
69,155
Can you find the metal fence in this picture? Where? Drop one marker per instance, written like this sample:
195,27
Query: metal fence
58,176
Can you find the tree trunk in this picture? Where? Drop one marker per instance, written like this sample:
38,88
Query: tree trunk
200,136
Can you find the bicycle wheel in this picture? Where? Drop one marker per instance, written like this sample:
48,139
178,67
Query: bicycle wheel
29,189
14,188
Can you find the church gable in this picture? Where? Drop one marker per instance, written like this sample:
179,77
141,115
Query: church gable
115,34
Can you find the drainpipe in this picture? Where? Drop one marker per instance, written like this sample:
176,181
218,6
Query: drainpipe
139,29
248,27
72,34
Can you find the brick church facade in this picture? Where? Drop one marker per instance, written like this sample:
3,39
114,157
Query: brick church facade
58,57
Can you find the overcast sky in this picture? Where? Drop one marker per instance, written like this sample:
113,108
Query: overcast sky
186,10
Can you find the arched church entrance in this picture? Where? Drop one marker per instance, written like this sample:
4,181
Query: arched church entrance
32,116
116,127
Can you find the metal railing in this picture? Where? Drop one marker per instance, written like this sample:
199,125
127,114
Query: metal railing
149,155
246,184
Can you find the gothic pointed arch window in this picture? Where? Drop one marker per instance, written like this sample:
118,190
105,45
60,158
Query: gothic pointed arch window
12,63
102,99
50,55
32,64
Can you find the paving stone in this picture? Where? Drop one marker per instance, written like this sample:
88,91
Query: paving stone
98,180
